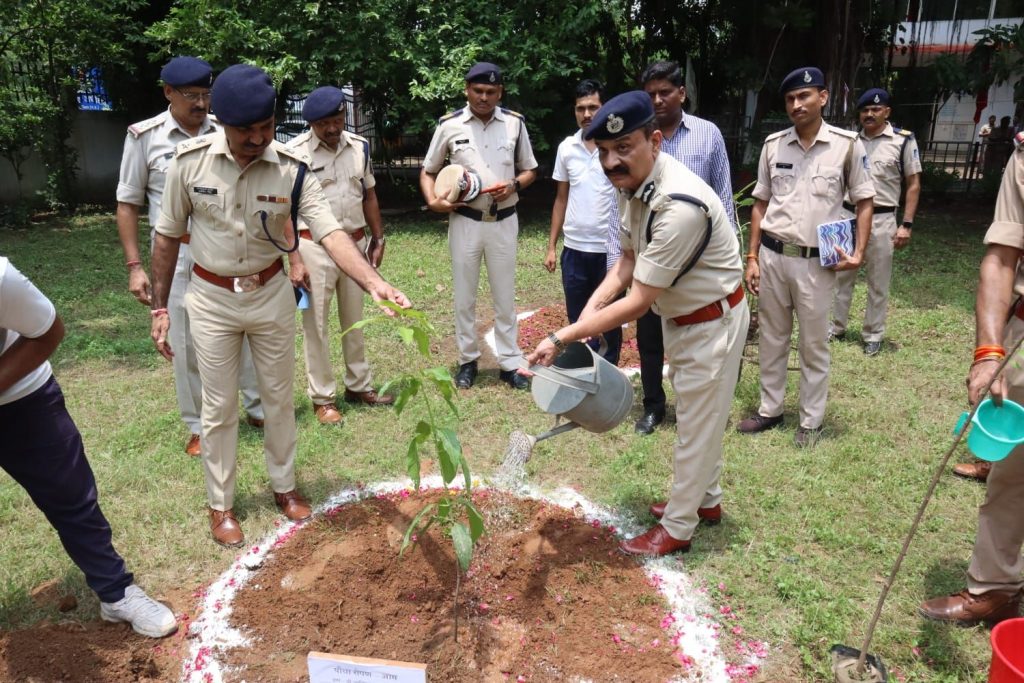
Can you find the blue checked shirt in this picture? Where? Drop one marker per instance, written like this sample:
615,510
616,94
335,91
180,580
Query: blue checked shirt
698,145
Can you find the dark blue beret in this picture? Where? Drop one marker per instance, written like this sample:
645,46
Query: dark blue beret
323,102
620,115
873,96
484,72
183,71
804,77
243,95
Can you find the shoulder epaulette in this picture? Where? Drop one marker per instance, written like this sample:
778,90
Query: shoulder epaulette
299,139
359,138
450,115
192,144
902,131
776,135
842,132
292,153
137,129
512,113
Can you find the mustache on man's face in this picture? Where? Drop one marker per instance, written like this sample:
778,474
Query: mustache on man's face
617,170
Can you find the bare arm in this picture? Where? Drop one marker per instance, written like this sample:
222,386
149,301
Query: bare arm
752,276
128,232
991,308
371,210
28,353
557,221
525,179
902,237
165,256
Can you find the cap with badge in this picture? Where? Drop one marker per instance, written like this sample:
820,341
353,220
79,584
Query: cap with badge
484,72
620,116
323,102
872,97
243,95
804,77
184,71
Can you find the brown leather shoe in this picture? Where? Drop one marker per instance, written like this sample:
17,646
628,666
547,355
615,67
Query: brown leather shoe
967,610
655,543
327,414
254,421
225,528
370,398
973,470
758,423
293,505
194,447
710,516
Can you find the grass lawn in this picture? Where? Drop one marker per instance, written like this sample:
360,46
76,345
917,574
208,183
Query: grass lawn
809,535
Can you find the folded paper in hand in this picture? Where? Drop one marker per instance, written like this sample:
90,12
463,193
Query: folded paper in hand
835,234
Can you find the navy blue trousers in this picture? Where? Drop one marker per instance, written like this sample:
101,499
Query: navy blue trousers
651,347
582,272
43,452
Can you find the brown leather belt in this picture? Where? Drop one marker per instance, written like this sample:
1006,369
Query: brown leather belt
186,238
356,236
712,311
242,283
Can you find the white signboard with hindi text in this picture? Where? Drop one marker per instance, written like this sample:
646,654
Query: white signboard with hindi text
328,668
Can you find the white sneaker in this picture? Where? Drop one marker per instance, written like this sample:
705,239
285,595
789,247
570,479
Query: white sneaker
146,615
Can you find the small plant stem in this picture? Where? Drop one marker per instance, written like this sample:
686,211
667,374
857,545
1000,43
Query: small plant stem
455,598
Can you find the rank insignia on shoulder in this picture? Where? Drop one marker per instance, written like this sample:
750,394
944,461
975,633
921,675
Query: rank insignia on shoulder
199,189
272,199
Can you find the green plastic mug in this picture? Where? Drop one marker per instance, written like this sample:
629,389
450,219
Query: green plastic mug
997,430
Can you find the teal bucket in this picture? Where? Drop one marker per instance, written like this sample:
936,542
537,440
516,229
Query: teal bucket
997,430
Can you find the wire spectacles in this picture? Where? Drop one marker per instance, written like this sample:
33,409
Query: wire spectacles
194,96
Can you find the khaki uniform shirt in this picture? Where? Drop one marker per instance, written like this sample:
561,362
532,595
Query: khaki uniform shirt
345,174
495,150
805,189
228,204
887,167
677,231
148,150
1008,222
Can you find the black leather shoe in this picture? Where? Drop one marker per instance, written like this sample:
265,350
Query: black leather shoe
646,424
466,375
872,348
514,379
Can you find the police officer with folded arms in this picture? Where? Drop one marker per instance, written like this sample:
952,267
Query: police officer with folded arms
148,150
894,158
236,188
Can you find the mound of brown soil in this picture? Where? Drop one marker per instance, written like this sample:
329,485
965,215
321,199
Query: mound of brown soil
548,597
551,318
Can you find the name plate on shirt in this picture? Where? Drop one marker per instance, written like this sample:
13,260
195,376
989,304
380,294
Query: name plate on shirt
835,234
329,668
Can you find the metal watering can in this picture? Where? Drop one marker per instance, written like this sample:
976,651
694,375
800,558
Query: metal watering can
583,388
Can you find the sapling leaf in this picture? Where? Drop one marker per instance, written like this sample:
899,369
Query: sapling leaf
450,442
422,341
407,392
444,510
423,430
360,324
463,543
406,333
476,520
413,525
444,459
412,461
466,477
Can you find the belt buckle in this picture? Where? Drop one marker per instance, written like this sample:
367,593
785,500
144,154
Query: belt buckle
245,283
791,250
491,214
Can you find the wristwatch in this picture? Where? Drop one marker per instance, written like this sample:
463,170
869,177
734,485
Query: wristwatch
907,224
517,184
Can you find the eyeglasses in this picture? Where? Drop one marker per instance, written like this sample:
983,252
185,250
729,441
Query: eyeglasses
194,96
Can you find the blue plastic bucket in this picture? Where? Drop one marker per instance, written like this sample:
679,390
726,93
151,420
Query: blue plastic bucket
997,430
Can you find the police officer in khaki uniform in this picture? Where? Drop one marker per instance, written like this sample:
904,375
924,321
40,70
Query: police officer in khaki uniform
894,156
235,188
681,255
994,580
491,141
341,162
802,176
148,150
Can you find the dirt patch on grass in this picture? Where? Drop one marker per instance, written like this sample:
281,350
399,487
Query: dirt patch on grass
551,318
548,597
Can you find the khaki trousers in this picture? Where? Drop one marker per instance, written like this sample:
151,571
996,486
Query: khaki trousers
221,320
472,242
791,284
704,362
187,386
327,280
997,563
879,266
